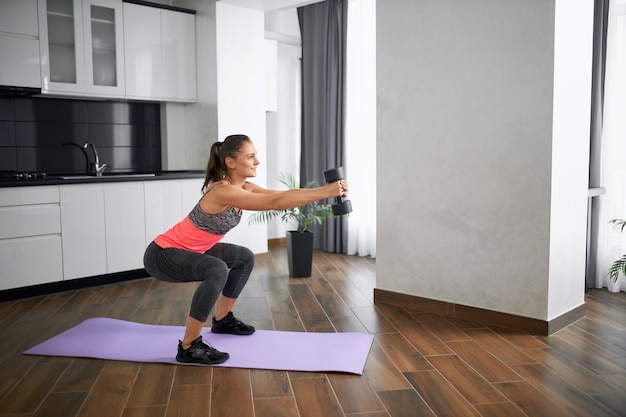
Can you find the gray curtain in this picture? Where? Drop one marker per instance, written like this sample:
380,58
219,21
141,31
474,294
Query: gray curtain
601,11
323,31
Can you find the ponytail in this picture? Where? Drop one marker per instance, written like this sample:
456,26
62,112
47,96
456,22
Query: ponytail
216,169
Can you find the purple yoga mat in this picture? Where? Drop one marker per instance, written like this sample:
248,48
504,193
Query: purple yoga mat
113,339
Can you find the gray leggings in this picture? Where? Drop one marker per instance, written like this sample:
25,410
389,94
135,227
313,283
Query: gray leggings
224,268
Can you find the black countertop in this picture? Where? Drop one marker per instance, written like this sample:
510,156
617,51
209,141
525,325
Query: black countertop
106,178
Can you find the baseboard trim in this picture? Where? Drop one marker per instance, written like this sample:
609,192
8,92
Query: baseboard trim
276,243
71,285
495,318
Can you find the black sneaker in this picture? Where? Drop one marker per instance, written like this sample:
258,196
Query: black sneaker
200,352
230,324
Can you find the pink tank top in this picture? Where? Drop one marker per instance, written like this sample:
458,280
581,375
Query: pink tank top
199,231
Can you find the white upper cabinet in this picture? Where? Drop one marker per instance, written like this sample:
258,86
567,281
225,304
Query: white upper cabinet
61,46
19,43
179,55
160,53
104,47
81,46
19,17
142,51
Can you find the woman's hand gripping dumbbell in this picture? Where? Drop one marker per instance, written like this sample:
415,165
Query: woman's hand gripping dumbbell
341,206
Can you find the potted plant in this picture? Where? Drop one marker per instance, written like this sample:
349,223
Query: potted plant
620,264
300,241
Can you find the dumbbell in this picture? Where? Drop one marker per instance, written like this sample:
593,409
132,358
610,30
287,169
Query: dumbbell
340,207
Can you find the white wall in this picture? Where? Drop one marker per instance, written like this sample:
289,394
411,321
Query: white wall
570,150
241,92
468,161
283,125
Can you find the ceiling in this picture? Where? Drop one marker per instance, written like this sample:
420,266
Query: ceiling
269,5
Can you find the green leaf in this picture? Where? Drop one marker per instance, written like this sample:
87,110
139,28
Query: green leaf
617,267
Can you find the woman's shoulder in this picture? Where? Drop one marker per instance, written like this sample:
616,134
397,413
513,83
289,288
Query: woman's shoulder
216,184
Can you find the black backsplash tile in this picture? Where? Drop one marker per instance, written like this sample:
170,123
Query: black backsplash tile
7,109
7,133
52,160
112,135
47,135
8,159
51,110
151,135
123,113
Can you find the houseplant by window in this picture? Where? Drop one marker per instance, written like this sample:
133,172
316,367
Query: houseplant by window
300,241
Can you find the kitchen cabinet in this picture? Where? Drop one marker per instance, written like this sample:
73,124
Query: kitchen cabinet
19,43
124,226
168,202
81,47
106,227
179,55
142,51
83,230
52,233
162,207
191,193
19,17
103,228
104,47
30,237
160,53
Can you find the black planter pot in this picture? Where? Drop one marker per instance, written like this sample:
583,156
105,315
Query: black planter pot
299,253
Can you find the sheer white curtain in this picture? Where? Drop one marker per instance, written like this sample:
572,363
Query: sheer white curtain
611,242
360,126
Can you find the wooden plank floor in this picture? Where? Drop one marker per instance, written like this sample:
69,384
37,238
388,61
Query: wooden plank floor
420,364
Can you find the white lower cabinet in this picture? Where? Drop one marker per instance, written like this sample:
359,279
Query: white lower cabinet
83,229
55,233
162,207
103,228
191,193
167,202
30,261
30,239
124,226
29,220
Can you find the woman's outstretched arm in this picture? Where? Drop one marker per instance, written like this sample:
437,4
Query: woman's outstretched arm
259,199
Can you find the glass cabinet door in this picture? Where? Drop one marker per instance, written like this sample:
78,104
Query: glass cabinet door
81,47
104,50
61,46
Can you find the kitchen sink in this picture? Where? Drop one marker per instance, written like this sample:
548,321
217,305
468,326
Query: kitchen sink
89,177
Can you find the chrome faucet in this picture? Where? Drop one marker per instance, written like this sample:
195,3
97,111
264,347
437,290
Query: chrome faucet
99,168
